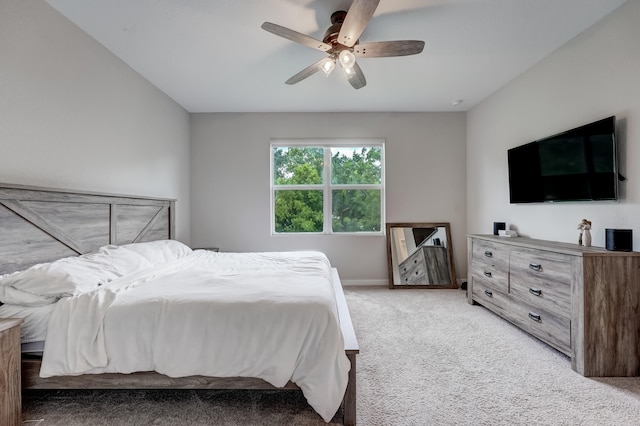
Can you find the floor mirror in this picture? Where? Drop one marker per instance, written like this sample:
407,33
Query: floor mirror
420,255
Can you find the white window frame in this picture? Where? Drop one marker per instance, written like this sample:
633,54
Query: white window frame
327,186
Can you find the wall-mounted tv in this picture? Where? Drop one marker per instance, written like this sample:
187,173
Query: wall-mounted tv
577,165
421,235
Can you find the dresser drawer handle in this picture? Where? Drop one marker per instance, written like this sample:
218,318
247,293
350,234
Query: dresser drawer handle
487,274
535,266
535,317
415,260
488,253
535,291
488,293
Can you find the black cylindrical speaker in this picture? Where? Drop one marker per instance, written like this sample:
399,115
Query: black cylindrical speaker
619,239
499,226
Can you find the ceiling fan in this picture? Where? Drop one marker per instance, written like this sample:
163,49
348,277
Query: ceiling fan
341,43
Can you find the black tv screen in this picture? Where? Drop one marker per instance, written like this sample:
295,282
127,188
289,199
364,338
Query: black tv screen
577,165
421,235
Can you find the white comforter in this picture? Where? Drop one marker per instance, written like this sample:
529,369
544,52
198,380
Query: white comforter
266,315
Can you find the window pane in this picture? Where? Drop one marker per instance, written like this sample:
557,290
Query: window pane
356,210
298,165
298,211
356,165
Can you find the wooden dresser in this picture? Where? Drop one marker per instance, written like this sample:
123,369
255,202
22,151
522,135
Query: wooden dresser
426,265
583,301
10,392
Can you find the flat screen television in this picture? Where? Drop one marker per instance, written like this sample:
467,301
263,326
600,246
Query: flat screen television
577,165
421,235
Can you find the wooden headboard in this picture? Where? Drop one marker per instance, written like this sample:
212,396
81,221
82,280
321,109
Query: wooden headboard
44,224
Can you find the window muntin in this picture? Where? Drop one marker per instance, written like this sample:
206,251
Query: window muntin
350,201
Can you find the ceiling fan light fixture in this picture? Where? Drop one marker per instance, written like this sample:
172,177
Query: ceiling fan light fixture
341,42
347,59
327,66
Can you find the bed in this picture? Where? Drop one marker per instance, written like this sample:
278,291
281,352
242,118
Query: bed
48,226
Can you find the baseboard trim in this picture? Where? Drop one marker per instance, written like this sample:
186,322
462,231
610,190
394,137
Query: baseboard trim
349,283
384,283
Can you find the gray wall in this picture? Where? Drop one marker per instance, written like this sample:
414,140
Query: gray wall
72,115
595,75
425,181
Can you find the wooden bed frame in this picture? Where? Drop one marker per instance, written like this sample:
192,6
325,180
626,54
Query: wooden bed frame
40,224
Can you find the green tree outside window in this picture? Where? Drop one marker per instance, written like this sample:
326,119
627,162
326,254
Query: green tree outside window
354,191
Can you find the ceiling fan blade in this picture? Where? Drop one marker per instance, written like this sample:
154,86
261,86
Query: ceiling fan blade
308,71
357,18
295,36
356,78
381,49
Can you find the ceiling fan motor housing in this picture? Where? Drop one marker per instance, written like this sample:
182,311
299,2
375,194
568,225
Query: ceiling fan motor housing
331,35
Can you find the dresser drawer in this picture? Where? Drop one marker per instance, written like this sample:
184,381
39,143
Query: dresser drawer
547,326
412,269
490,275
490,297
538,266
490,253
413,276
554,296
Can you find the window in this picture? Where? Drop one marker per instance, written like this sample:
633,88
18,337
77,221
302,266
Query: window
330,187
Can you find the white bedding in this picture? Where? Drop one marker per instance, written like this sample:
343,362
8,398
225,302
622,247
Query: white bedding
266,315
34,327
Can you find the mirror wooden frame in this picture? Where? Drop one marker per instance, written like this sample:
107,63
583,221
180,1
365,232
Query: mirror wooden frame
420,263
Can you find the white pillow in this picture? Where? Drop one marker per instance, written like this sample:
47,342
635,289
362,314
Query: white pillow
9,294
63,277
123,262
45,283
161,251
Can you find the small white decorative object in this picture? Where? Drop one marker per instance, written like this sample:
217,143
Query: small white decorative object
585,233
587,238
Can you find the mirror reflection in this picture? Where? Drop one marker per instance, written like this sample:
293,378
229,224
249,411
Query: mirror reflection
420,255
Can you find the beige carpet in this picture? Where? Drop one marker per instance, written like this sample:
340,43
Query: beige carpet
427,358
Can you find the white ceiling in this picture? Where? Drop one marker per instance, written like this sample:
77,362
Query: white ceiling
212,55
